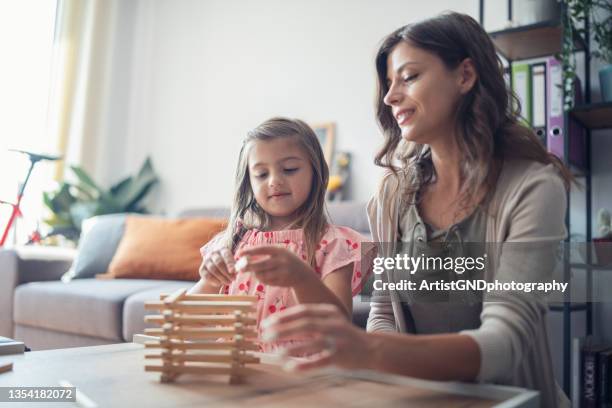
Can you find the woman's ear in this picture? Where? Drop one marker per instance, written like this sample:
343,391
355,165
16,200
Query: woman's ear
467,75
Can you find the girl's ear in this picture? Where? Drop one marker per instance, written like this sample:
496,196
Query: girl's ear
467,75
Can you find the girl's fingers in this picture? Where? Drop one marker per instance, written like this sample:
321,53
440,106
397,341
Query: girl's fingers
214,271
213,280
226,254
202,270
221,267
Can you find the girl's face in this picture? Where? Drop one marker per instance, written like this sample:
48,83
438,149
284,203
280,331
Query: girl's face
423,93
281,177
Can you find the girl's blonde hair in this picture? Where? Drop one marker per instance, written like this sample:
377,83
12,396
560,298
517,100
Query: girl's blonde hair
311,216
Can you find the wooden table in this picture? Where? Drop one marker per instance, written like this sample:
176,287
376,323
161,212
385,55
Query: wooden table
114,376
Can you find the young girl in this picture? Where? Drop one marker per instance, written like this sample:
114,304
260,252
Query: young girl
279,230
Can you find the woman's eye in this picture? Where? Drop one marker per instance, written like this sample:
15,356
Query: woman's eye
410,77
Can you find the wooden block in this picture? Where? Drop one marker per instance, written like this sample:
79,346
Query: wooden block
213,370
202,307
206,358
201,333
184,319
215,297
198,320
6,367
176,296
211,345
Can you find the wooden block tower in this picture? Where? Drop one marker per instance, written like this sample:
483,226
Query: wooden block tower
202,334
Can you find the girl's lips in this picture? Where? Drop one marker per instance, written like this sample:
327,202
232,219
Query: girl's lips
280,195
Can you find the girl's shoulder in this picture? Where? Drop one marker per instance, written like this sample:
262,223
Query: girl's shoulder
342,233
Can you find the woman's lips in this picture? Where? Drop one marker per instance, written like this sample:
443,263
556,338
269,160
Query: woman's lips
404,116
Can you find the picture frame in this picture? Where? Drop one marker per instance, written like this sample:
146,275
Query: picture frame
326,133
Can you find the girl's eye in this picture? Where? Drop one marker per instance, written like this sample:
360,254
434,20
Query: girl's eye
410,78
292,170
261,176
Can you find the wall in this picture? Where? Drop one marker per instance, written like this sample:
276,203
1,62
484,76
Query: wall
192,77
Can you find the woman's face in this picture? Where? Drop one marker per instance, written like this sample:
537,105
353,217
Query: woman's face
423,94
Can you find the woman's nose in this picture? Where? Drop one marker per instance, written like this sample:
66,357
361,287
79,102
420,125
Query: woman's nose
392,97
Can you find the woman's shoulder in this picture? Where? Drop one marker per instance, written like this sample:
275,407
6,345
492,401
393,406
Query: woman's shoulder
517,173
530,180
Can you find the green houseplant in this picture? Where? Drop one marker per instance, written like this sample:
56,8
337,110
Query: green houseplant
72,203
600,17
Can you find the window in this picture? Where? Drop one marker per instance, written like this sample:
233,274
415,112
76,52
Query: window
26,44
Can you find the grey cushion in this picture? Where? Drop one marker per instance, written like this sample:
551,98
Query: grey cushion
212,212
349,214
91,307
99,241
134,312
346,213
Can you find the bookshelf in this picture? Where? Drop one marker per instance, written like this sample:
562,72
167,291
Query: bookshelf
532,41
594,116
545,39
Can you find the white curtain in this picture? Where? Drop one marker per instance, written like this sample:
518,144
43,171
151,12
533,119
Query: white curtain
81,77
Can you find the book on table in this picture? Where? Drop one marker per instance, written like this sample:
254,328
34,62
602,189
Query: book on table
10,346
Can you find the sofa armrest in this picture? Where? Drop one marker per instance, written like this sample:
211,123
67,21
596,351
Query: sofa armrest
27,264
38,263
8,282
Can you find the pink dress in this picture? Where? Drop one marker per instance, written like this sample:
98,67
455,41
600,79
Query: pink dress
339,247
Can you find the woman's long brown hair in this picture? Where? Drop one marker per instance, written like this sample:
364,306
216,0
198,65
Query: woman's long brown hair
488,124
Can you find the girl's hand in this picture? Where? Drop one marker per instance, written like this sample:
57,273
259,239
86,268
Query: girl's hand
330,338
217,268
274,265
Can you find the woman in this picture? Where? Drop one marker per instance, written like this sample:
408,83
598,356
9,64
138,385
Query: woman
460,167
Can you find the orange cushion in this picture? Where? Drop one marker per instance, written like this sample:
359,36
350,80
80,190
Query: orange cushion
161,248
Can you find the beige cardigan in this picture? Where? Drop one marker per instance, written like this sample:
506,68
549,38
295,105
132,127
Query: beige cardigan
528,205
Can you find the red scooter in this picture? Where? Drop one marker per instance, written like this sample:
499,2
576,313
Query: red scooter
34,158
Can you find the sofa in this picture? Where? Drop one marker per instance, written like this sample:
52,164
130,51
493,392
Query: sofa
47,312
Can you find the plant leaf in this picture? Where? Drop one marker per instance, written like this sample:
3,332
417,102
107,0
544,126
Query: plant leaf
120,188
139,186
85,179
62,199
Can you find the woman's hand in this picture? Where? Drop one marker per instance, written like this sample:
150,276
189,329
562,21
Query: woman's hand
330,338
218,268
274,265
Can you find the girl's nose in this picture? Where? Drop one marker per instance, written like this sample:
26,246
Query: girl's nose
275,180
